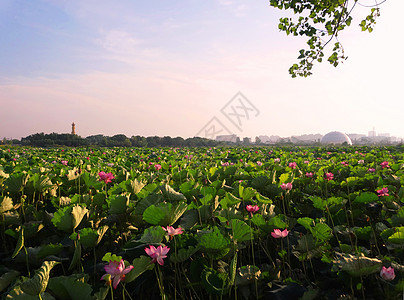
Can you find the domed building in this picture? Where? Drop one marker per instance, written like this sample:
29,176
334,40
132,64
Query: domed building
336,137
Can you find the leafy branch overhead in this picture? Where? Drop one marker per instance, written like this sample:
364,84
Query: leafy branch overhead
321,22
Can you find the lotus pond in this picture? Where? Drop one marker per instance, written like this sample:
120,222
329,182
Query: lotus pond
202,223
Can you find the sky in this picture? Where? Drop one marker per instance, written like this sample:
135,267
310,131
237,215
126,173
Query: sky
187,68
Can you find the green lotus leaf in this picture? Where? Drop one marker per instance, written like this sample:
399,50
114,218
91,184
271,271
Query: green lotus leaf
63,219
306,222
152,235
135,186
49,249
240,231
8,278
70,287
38,283
358,265
140,265
366,197
164,214
20,243
215,282
78,212
322,232
170,194
15,183
6,204
119,204
183,254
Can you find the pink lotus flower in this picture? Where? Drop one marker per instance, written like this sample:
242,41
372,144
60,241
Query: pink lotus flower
306,162
158,254
276,160
64,162
106,177
329,176
259,164
225,164
252,208
171,231
286,186
292,165
277,233
110,164
371,170
157,167
385,164
383,192
309,174
361,161
116,272
344,163
387,273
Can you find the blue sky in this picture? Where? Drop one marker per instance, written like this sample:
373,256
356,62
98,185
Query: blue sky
168,67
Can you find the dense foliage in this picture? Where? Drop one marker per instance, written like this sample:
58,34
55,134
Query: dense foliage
202,223
118,140
321,22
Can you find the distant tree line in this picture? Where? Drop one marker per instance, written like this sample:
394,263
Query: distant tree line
119,140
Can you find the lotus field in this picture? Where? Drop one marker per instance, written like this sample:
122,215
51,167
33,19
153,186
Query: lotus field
202,223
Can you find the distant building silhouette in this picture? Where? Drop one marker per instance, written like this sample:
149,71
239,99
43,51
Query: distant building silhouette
73,128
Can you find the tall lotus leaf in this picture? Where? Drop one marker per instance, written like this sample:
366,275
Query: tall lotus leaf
73,174
90,181
90,237
70,287
229,200
119,204
153,235
146,202
260,182
263,199
398,236
183,254
170,194
3,176
306,222
37,284
284,178
240,231
233,269
76,256
246,193
164,214
322,232
135,186
8,278
215,282
214,243
17,293
277,222
140,265
187,186
101,294
20,243
41,183
15,183
63,219
208,193
6,204
359,265
366,197
78,212
49,249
